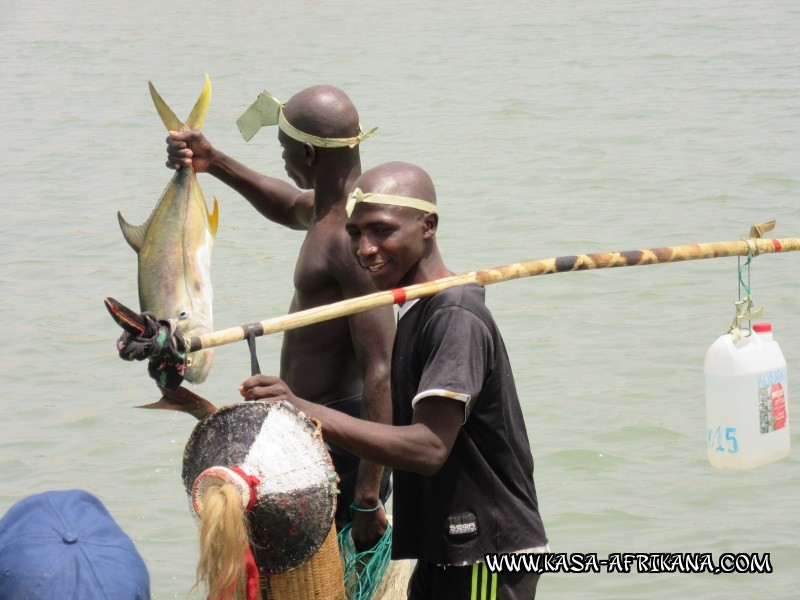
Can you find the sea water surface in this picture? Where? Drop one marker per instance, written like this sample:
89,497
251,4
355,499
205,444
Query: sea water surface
549,128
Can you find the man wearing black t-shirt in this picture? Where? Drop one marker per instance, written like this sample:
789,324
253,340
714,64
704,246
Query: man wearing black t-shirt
463,470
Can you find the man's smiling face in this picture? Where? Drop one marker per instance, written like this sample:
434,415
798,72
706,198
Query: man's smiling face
387,241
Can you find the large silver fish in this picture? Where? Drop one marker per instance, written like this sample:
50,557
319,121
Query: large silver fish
174,247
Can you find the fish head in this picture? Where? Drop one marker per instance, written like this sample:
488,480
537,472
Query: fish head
193,324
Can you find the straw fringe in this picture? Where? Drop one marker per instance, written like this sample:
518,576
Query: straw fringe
394,584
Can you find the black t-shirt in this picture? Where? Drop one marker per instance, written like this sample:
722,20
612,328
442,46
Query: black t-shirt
483,500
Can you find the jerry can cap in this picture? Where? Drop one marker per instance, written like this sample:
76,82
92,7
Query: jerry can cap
762,327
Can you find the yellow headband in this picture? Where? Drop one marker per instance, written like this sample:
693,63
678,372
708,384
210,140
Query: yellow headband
358,196
267,110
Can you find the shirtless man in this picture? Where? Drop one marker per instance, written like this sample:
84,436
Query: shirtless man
342,363
463,470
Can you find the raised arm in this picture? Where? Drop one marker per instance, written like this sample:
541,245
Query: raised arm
277,200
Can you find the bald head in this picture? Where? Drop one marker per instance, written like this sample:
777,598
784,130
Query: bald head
323,110
392,225
398,179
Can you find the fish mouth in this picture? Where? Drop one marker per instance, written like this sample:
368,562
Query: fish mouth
198,365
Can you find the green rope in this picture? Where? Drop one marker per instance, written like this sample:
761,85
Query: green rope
363,571
745,286
745,307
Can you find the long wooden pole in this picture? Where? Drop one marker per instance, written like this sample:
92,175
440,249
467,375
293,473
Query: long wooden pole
560,264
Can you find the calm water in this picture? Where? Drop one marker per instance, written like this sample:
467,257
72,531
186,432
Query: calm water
549,127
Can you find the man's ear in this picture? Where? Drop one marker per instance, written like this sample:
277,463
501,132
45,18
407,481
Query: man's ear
309,153
430,221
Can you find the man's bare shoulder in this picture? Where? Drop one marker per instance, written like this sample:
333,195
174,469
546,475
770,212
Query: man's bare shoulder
324,262
331,240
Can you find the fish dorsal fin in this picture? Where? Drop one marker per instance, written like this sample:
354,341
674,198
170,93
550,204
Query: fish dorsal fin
198,114
168,117
134,235
213,218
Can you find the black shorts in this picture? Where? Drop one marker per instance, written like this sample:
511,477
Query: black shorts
471,582
346,466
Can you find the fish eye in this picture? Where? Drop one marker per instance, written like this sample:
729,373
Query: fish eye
189,361
183,314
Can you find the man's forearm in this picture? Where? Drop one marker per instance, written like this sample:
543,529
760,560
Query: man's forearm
273,198
376,406
368,483
410,448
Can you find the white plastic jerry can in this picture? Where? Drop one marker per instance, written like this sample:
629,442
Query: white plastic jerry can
747,400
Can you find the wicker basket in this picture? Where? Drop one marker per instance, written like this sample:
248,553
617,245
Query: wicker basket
321,578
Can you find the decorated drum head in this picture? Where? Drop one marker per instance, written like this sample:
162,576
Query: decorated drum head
277,446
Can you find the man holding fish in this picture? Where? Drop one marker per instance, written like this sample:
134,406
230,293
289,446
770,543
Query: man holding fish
343,363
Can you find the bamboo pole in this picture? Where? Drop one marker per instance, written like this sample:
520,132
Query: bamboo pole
560,264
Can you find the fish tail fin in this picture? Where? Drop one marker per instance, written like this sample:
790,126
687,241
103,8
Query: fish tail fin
196,117
168,117
213,218
182,400
198,114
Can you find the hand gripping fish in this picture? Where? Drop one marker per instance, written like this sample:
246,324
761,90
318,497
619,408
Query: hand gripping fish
174,247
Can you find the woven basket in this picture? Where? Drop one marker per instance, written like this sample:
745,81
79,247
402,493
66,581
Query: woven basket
321,578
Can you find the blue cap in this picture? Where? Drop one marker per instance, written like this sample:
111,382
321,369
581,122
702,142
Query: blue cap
65,545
